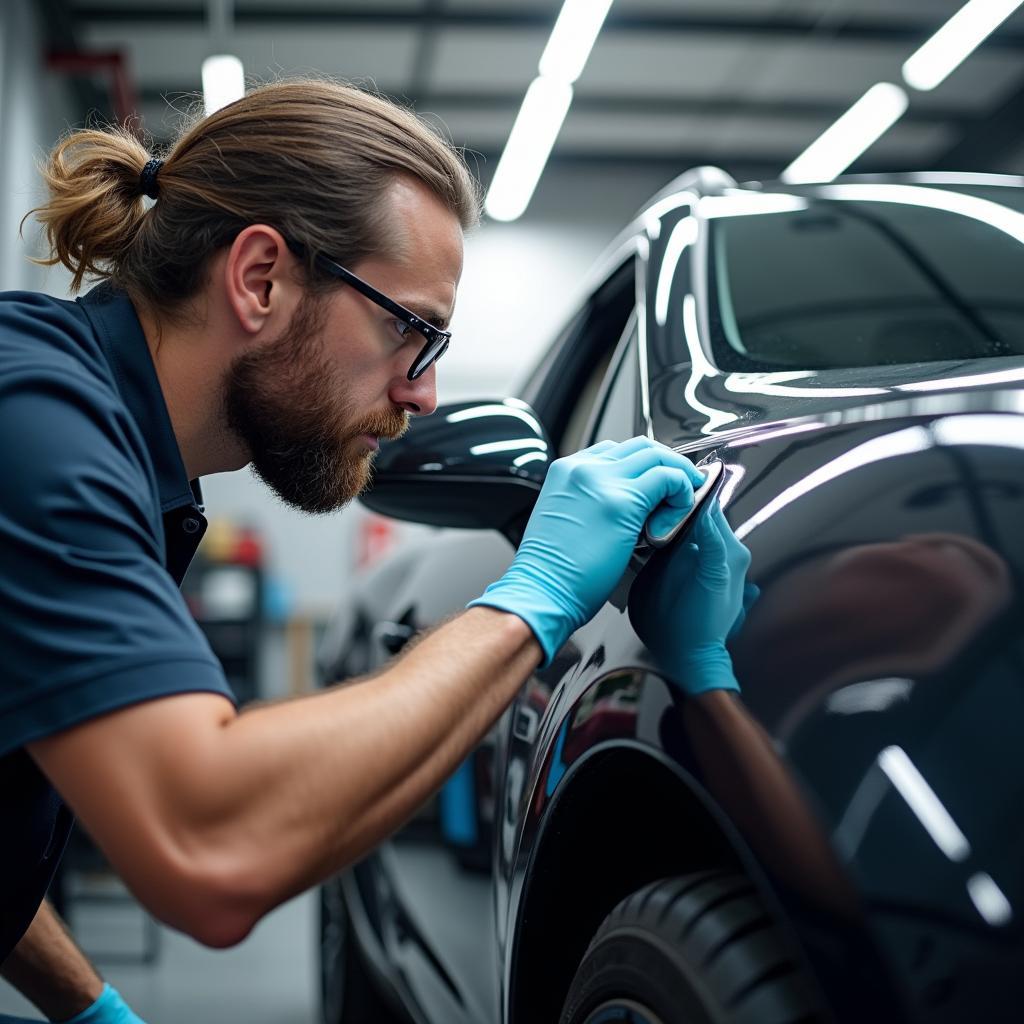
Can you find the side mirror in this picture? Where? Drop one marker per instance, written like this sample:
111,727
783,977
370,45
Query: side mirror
471,464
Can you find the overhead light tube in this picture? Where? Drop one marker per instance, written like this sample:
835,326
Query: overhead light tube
544,108
529,145
955,42
855,132
573,38
223,81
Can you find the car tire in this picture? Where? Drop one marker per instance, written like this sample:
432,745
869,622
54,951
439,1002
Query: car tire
698,949
347,995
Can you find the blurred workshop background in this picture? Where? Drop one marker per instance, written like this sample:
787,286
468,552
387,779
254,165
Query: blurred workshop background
746,85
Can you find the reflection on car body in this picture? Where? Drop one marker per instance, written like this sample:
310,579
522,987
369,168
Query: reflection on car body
853,354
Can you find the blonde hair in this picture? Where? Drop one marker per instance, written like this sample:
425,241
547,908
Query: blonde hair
312,158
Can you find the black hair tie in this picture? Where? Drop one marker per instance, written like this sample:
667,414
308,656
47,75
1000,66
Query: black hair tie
148,185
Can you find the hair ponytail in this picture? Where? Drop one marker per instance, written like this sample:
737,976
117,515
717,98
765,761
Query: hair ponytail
96,206
315,159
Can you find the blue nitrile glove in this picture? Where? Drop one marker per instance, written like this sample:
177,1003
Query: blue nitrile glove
690,600
583,530
109,1008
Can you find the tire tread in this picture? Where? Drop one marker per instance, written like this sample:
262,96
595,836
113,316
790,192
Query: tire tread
707,932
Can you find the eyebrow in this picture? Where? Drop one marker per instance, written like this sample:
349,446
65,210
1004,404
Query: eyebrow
428,313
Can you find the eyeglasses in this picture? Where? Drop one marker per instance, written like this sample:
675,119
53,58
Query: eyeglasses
435,340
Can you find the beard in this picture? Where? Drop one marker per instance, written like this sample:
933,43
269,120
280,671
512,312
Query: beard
286,405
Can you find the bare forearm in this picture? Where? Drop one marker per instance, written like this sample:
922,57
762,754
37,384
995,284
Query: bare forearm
318,782
213,818
269,802
49,970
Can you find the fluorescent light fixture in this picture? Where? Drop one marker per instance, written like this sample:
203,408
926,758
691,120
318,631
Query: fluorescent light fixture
921,799
683,235
955,42
989,429
710,207
533,135
544,108
700,370
477,411
978,380
776,384
1000,217
903,442
871,695
519,444
223,81
989,899
573,38
856,131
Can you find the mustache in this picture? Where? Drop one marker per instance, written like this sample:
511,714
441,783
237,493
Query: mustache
387,423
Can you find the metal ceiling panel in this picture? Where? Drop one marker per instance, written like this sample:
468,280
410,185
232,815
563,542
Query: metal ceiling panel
843,71
473,59
772,139
926,11
772,73
171,56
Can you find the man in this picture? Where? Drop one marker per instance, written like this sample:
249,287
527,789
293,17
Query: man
248,316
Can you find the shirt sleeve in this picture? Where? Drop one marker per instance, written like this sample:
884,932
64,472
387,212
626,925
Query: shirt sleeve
90,620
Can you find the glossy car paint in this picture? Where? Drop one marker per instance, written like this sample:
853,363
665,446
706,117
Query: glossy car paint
869,777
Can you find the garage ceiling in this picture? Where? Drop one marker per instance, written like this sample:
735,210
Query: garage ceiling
746,84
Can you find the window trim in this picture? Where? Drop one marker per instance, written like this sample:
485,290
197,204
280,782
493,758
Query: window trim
627,344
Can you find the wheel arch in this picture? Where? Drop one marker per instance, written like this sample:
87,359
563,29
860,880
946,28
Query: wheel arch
605,835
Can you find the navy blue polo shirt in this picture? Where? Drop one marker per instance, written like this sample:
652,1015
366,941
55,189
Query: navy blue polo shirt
98,523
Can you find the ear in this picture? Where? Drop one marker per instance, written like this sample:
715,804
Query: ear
259,278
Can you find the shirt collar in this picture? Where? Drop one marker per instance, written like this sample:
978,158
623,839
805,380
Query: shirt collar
117,325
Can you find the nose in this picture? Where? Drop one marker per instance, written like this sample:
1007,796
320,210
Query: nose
417,397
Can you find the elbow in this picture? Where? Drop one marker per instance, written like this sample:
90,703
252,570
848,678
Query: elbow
218,923
221,901
213,898
218,931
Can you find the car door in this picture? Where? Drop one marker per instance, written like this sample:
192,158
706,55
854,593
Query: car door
436,877
837,357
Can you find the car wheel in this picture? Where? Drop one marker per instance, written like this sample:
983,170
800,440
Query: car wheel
347,995
698,949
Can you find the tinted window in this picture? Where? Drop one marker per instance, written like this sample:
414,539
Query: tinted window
928,274
616,420
565,386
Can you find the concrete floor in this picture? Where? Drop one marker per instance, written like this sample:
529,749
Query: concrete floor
271,978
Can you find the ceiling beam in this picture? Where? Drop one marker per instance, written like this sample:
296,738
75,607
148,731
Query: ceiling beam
907,30
987,144
617,105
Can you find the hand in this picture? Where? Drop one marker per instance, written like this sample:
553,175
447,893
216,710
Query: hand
110,1008
583,530
688,600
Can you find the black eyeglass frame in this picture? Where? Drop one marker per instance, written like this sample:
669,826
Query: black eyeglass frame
435,340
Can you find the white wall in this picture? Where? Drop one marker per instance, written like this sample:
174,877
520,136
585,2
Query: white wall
35,108
522,280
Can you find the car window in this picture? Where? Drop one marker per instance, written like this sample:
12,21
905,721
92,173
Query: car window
614,417
582,409
917,274
566,385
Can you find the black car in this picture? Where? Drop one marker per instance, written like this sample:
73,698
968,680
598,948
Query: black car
844,840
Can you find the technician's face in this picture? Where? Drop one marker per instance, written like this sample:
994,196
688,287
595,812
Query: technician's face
311,405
